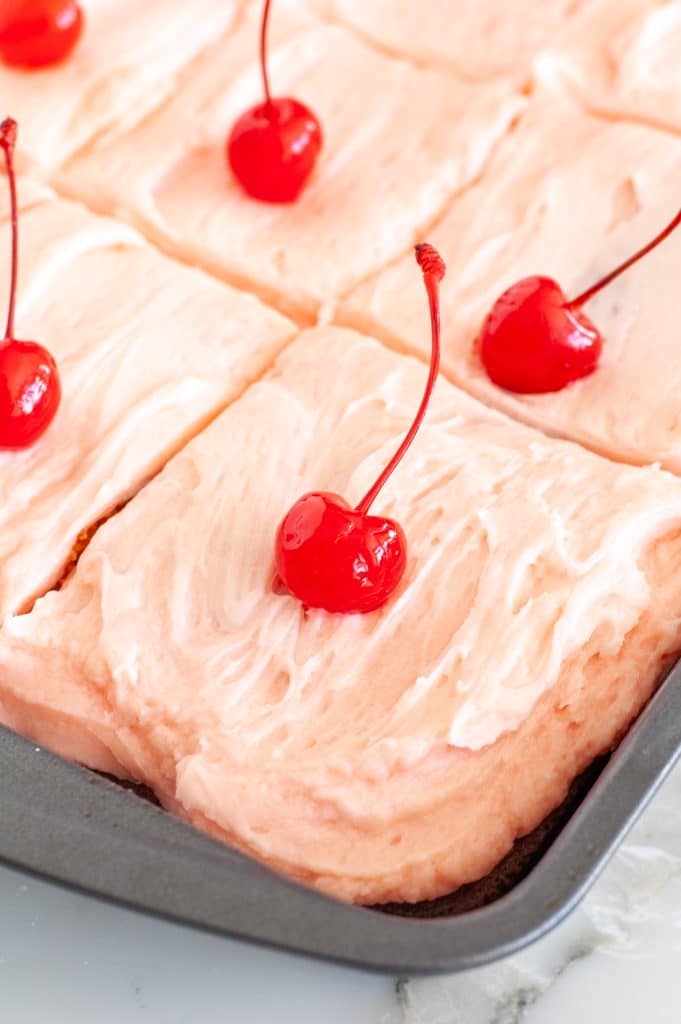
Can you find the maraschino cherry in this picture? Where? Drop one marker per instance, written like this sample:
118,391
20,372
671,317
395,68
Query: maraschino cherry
38,33
30,391
342,559
273,148
535,340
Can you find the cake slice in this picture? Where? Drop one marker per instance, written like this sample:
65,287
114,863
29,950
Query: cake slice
130,59
390,756
398,144
476,40
568,196
148,352
621,59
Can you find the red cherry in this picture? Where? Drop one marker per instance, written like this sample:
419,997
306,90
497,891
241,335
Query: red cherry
534,340
38,33
332,556
273,147
30,390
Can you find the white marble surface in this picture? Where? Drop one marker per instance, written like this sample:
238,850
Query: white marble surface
616,960
66,959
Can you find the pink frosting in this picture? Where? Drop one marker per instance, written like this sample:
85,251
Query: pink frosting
358,753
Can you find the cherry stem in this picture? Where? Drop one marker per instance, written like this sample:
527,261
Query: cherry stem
263,52
590,292
433,268
8,137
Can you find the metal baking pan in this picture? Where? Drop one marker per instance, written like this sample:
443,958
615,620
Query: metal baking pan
68,824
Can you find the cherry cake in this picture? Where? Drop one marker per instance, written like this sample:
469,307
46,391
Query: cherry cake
340,428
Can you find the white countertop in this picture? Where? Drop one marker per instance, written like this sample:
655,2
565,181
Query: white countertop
67,959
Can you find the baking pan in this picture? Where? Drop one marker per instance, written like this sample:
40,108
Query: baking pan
68,824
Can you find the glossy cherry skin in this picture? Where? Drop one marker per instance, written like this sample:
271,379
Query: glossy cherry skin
30,392
273,148
534,341
335,558
38,33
